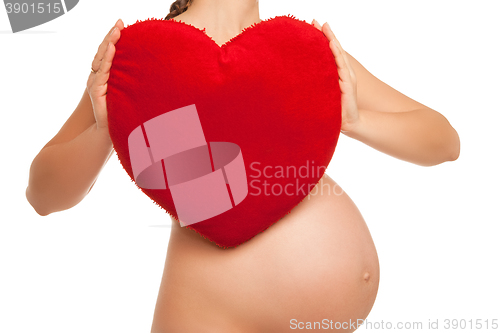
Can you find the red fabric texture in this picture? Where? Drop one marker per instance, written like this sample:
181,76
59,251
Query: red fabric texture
273,90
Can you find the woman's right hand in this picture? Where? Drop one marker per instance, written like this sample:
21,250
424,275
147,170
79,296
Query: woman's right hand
97,83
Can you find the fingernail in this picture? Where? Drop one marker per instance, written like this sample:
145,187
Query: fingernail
314,20
107,47
328,26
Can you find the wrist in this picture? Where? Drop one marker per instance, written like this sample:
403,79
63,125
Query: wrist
103,134
352,128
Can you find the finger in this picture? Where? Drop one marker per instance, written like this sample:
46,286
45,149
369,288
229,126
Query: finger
316,24
327,30
331,36
120,24
102,47
343,69
99,85
101,78
110,33
113,37
114,26
98,57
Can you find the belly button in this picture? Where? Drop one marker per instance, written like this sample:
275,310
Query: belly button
366,277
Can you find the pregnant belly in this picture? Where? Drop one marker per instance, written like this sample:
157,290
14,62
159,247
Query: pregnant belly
317,264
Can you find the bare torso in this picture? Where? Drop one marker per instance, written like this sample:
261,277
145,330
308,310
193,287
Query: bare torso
318,262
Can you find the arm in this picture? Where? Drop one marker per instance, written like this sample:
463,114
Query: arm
66,168
420,136
64,171
387,120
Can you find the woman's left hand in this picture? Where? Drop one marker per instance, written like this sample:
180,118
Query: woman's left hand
347,80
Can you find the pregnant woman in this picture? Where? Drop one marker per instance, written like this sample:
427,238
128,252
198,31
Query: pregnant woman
315,268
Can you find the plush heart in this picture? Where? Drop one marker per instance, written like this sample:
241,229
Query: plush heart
231,137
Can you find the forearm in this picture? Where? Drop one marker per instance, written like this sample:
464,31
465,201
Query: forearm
422,136
61,175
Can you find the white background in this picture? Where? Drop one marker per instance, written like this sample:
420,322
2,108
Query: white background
97,266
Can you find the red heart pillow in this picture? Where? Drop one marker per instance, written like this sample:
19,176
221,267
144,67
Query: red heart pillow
229,139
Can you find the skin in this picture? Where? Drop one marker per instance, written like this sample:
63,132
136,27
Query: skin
317,262
262,284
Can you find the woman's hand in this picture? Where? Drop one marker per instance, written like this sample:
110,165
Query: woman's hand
347,80
97,82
